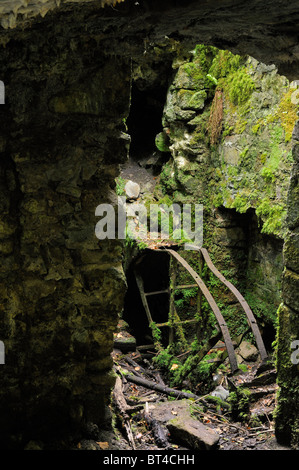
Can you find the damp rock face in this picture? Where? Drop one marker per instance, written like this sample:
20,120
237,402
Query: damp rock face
288,315
61,288
220,157
233,156
183,428
62,138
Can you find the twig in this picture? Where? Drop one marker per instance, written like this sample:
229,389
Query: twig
184,353
123,408
160,388
158,432
261,432
227,423
134,364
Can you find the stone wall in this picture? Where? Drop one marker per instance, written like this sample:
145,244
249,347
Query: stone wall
230,148
246,177
59,154
61,288
287,424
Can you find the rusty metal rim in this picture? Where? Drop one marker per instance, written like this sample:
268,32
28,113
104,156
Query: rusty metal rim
250,317
214,307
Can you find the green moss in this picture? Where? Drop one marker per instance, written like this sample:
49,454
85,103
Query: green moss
240,86
228,130
191,99
267,174
157,336
194,74
218,200
263,158
224,64
255,129
204,56
120,186
286,113
240,401
167,179
240,125
272,214
241,203
161,142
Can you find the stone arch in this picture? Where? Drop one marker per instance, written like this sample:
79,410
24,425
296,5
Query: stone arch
62,138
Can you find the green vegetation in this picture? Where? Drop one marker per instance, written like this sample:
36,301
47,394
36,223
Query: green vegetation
120,186
272,215
240,86
228,126
191,369
286,114
224,64
267,174
240,401
161,142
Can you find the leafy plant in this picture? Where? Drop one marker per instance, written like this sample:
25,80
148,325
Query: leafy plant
241,87
267,174
120,186
240,401
272,215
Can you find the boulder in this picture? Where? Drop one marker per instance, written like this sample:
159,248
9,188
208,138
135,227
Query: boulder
183,427
124,341
132,190
248,351
220,392
192,433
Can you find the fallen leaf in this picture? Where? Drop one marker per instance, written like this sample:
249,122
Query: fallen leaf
103,445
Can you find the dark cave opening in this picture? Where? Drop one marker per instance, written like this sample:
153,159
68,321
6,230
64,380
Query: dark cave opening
144,120
259,261
257,258
153,267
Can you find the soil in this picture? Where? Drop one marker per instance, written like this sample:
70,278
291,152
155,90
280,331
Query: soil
132,431
232,435
134,171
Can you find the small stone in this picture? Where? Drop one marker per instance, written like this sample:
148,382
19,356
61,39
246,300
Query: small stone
132,190
124,341
182,426
295,97
34,445
220,392
193,433
248,351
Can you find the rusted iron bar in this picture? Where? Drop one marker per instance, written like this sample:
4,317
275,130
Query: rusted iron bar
171,301
181,322
190,286
143,297
250,317
164,291
214,307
